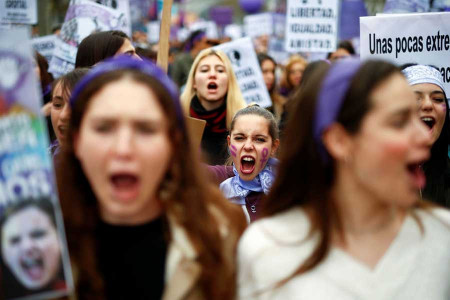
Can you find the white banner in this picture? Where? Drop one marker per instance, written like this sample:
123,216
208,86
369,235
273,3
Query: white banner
82,18
124,7
209,27
45,45
258,24
153,29
18,11
311,25
248,73
412,38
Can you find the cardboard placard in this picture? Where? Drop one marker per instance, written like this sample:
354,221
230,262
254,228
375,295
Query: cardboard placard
18,11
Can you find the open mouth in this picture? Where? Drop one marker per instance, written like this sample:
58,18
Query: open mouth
33,265
417,175
212,86
429,121
125,186
247,164
63,130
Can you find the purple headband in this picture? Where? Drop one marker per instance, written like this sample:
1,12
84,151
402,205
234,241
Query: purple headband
195,39
126,62
331,96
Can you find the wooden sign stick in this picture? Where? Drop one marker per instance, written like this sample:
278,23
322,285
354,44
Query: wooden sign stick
164,34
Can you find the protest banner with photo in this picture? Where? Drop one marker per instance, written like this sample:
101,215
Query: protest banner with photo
34,258
248,73
83,17
44,45
411,38
258,24
124,7
18,11
311,25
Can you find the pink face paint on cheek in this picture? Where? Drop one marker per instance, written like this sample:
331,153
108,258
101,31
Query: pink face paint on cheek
265,154
444,107
233,150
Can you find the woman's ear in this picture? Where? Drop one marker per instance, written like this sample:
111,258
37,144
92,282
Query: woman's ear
337,142
275,145
228,141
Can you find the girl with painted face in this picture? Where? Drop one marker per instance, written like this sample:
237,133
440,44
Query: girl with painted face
343,219
212,94
428,87
60,108
140,216
252,143
30,249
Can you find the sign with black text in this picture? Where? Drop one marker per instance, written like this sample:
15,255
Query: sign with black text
248,73
311,25
18,11
409,38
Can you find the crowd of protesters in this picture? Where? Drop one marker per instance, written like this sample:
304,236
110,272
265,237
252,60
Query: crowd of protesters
345,178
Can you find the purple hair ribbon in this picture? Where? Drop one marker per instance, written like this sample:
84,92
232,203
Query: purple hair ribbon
332,93
127,62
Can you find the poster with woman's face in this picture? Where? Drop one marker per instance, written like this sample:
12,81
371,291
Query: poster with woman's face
34,262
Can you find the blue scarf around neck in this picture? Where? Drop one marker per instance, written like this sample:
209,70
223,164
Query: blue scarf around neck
235,189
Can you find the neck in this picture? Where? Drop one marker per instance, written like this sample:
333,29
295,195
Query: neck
361,213
211,105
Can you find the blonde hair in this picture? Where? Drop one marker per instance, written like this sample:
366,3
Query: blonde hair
235,100
284,82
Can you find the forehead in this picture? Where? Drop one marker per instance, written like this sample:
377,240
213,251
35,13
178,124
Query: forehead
267,64
251,124
126,97
126,46
426,88
297,66
26,219
392,94
211,60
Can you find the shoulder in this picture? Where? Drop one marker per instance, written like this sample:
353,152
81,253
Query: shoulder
435,218
220,173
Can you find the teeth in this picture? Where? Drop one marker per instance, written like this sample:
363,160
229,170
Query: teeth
427,119
248,159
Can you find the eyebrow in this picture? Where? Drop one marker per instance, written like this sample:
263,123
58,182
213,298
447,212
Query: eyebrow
432,93
57,98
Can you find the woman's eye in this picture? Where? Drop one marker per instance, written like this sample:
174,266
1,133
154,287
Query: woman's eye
399,122
38,233
261,140
238,138
103,128
14,240
438,99
57,104
145,128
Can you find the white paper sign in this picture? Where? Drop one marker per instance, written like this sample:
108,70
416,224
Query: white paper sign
45,45
209,27
153,29
258,24
234,31
18,11
123,6
82,18
248,73
311,25
413,38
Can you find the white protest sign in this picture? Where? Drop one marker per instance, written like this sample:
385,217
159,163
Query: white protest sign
153,31
209,27
279,25
276,50
233,31
44,45
18,11
414,38
258,24
311,25
83,17
248,73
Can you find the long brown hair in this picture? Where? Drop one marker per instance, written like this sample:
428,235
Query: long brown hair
303,178
187,195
